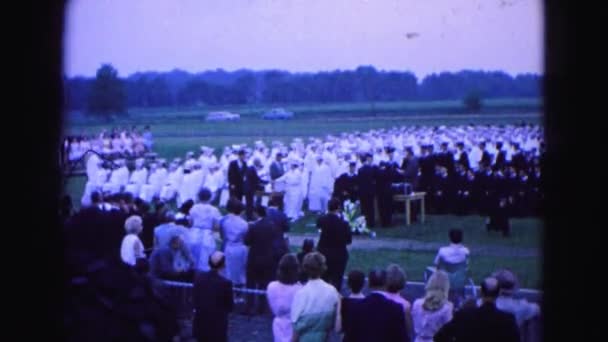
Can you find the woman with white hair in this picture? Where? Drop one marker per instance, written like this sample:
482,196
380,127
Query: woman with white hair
132,248
434,310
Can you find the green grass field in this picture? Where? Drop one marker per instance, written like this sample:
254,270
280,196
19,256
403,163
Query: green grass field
528,270
177,131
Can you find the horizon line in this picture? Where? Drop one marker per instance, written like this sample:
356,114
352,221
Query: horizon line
177,69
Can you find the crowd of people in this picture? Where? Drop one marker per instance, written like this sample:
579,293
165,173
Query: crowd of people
219,253
126,217
493,171
118,143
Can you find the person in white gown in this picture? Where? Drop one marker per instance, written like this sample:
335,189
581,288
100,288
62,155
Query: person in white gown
292,180
205,220
321,185
139,176
118,179
174,182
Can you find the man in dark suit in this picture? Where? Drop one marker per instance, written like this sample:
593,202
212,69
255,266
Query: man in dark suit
501,157
485,323
410,167
367,189
335,236
384,193
345,187
251,185
266,247
275,214
463,156
213,301
276,167
236,176
377,318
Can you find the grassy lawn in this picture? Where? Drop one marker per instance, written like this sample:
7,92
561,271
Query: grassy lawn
528,270
526,232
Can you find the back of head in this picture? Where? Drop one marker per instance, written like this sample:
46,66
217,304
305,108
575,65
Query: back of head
395,278
186,206
455,235
490,288
234,206
133,224
308,245
217,260
436,291
334,204
507,281
314,265
287,272
356,280
204,195
260,210
377,278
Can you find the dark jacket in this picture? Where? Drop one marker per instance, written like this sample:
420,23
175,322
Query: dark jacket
377,318
335,233
252,182
485,323
263,239
347,311
213,301
236,175
366,180
279,218
276,170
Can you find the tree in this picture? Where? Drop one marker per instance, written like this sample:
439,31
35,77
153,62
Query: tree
107,96
472,102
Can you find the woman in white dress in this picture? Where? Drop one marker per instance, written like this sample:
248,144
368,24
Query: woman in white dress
205,220
293,184
233,229
132,248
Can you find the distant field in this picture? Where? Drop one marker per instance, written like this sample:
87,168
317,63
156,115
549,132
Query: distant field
177,131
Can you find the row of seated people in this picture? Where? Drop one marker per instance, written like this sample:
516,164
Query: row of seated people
114,145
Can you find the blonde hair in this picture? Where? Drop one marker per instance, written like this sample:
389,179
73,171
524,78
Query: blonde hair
133,225
437,289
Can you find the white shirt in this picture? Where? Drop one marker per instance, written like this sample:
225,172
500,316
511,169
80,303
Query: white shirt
452,254
316,297
131,249
205,216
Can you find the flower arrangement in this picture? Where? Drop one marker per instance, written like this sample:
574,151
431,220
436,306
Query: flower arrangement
352,215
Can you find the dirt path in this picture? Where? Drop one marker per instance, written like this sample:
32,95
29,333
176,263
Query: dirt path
365,243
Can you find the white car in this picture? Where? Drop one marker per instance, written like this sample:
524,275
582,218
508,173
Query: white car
277,114
222,116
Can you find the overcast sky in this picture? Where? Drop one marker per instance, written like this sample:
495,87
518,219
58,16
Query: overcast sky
422,36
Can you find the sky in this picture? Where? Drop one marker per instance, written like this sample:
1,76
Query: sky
421,36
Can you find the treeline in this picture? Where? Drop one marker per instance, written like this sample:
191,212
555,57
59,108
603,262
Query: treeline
365,84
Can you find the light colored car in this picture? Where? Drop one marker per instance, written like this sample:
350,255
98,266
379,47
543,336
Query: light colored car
277,114
222,116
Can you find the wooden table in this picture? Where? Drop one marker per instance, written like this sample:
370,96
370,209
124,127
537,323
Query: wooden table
416,196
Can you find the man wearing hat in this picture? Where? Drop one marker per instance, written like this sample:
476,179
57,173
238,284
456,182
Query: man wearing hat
366,184
345,187
236,175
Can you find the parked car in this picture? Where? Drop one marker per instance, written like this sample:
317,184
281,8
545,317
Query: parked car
222,116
